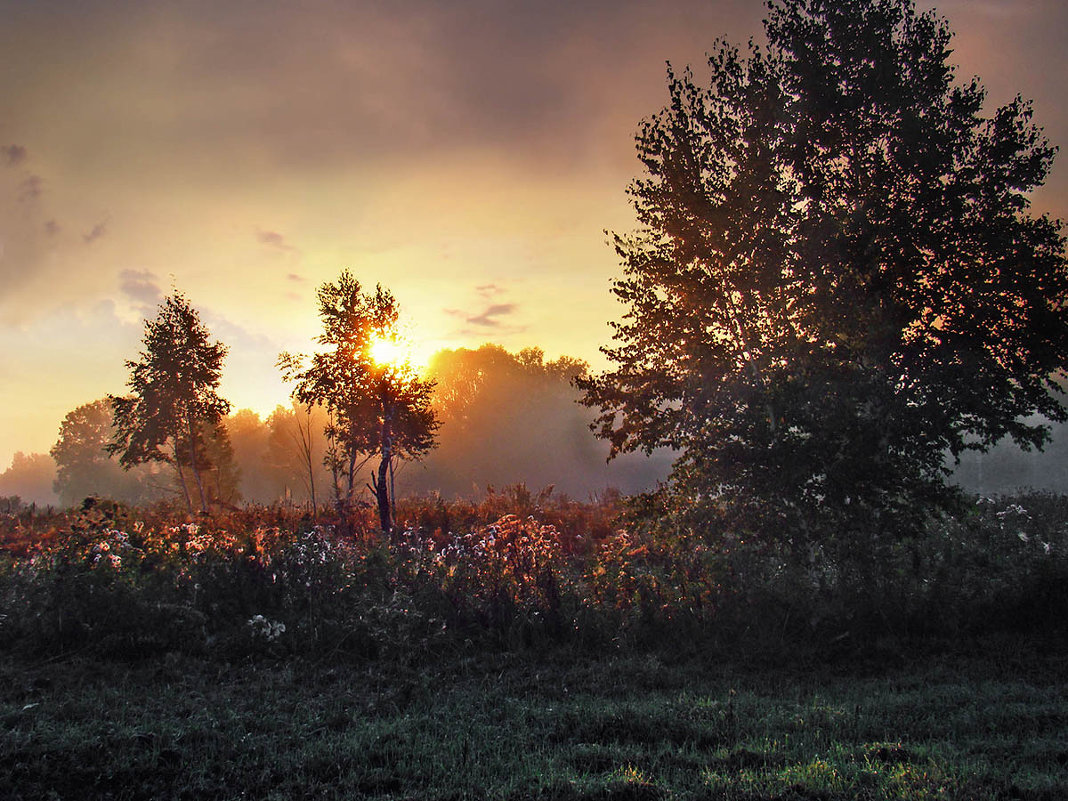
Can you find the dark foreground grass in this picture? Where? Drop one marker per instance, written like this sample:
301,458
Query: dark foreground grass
992,723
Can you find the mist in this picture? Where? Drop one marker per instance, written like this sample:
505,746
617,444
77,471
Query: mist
515,419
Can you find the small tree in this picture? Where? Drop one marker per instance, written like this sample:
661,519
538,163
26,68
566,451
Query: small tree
173,402
836,280
295,447
378,405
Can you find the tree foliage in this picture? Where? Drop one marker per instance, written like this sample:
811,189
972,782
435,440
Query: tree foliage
837,278
173,410
376,409
83,465
28,480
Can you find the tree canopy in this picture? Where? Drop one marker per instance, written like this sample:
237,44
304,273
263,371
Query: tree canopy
837,279
173,410
28,479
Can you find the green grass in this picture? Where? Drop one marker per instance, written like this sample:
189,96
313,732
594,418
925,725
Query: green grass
989,724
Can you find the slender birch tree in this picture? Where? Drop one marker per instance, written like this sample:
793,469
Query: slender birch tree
378,407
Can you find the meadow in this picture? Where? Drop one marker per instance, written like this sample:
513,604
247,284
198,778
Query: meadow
526,646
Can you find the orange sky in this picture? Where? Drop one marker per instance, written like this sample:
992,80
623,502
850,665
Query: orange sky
468,155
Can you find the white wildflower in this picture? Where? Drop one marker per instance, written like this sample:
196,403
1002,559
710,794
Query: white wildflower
268,630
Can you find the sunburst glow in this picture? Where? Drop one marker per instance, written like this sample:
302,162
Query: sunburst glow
389,352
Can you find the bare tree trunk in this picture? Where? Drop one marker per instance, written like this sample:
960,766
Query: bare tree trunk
193,465
181,478
335,466
385,515
392,490
306,448
352,480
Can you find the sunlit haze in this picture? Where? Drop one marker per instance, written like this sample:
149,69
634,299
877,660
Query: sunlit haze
468,156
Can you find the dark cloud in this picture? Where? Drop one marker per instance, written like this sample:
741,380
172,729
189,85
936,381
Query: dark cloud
52,227
13,154
488,290
29,258
98,231
556,85
342,82
273,239
300,279
31,189
141,286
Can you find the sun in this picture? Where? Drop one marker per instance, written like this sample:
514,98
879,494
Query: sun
388,352
402,348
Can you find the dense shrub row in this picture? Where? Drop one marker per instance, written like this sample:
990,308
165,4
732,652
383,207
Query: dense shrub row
517,570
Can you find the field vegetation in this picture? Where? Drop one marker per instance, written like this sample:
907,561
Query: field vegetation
517,569
526,646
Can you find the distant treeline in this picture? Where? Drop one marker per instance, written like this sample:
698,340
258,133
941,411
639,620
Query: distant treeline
507,418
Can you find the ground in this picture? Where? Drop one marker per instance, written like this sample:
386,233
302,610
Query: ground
985,721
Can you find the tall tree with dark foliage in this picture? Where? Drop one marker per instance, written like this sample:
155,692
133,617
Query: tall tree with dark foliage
837,279
173,407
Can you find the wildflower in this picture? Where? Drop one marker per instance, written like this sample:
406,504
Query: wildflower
1014,509
262,627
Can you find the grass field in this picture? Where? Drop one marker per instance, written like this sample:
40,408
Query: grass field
985,724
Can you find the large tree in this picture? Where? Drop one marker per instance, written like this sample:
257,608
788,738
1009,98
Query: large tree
837,278
173,411
378,404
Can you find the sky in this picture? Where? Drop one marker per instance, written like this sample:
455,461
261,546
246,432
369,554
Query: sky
468,155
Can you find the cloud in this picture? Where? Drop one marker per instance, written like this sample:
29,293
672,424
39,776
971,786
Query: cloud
273,239
350,81
98,231
13,154
488,290
31,188
141,286
300,279
52,228
488,317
